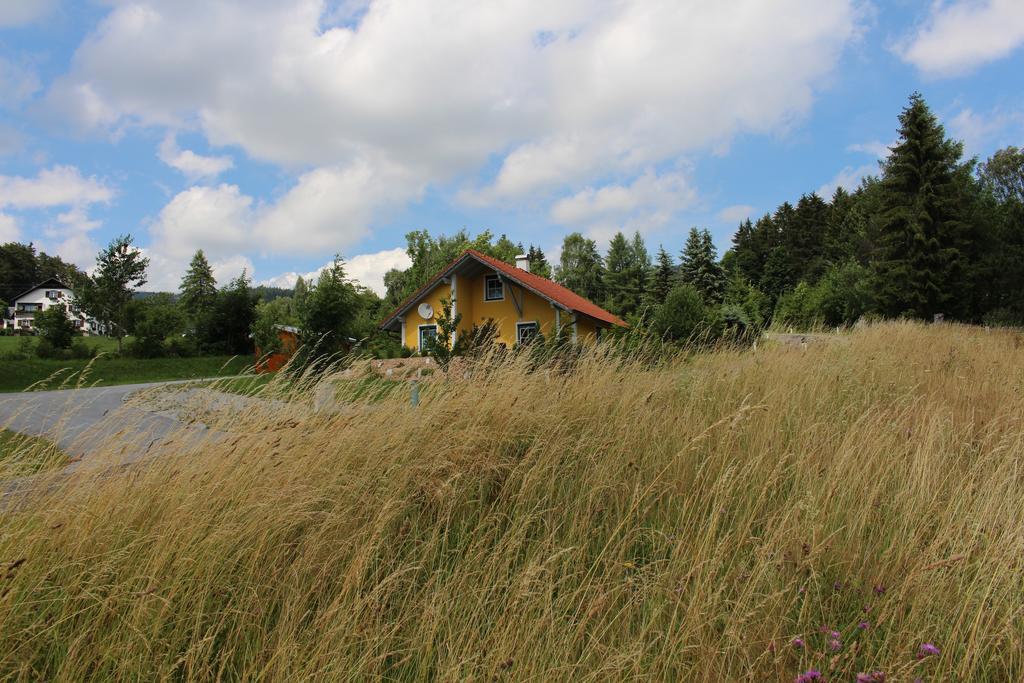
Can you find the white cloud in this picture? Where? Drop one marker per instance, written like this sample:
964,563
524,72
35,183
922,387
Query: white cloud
366,269
60,187
980,131
9,230
193,166
875,148
331,208
962,35
647,203
56,186
849,179
22,12
17,83
215,219
227,269
327,209
385,99
735,213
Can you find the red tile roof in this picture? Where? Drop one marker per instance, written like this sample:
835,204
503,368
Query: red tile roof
539,285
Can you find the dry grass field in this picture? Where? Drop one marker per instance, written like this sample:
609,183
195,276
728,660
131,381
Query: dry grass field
849,509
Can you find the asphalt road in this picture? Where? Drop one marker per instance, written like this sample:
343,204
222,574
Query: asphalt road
80,420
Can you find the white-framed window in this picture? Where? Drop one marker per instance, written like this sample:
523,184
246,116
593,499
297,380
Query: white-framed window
526,332
427,334
52,294
494,288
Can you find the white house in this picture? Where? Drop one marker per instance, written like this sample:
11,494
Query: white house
21,314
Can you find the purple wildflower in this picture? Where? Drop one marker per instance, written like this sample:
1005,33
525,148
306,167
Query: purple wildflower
838,585
927,650
835,645
863,625
834,635
873,677
808,676
879,589
798,643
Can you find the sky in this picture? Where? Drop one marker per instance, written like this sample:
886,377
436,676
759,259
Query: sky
274,135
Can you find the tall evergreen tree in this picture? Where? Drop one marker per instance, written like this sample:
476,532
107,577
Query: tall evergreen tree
538,262
805,239
918,266
664,278
699,266
580,267
198,290
299,295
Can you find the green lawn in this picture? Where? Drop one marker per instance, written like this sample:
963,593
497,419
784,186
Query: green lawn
24,455
14,344
18,375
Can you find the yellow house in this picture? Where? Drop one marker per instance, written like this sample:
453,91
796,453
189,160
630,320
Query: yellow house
483,288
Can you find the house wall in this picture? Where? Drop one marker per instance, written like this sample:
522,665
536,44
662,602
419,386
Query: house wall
413,319
26,321
470,304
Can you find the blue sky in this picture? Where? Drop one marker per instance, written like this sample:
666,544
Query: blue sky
274,134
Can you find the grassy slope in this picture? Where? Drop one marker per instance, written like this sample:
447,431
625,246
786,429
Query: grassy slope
19,375
25,455
14,344
676,523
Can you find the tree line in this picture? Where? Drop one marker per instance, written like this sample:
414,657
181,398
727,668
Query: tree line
933,235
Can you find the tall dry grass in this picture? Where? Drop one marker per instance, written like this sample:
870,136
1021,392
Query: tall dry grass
688,521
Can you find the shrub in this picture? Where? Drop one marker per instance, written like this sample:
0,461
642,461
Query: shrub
1003,317
55,327
153,321
683,317
46,350
181,347
82,351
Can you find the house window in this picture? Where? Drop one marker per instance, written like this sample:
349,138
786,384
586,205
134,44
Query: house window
494,289
52,294
526,332
427,334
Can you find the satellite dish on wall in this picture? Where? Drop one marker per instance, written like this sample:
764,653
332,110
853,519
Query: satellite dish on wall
426,311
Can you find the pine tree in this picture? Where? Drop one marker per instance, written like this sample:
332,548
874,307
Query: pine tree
700,268
538,262
918,268
640,273
299,295
617,280
198,290
805,240
664,278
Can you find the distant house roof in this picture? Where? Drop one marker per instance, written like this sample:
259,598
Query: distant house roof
51,283
541,286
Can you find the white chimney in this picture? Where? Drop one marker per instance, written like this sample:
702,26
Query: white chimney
523,262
